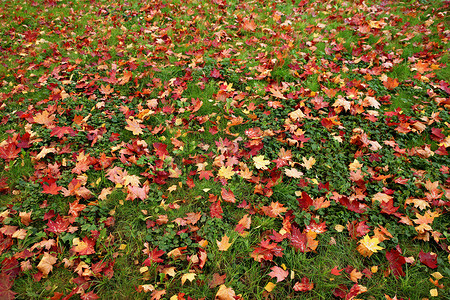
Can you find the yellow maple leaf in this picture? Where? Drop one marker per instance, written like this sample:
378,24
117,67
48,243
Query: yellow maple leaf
224,244
368,246
260,162
171,271
226,172
187,276
434,292
355,165
308,163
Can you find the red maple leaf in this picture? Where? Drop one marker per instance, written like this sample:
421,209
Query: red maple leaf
428,259
298,239
305,201
215,73
335,271
356,229
9,152
84,247
396,261
5,287
217,280
160,150
266,251
58,226
154,257
205,174
279,273
61,131
216,210
354,291
52,189
89,296
354,205
4,185
437,135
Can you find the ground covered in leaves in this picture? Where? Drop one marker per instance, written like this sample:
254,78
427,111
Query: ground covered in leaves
224,149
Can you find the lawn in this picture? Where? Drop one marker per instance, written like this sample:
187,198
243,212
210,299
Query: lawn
224,149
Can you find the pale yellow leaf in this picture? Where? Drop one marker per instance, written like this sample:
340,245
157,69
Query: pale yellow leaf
260,162
46,263
308,163
187,276
226,172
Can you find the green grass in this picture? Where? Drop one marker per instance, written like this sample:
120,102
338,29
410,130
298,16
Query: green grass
171,49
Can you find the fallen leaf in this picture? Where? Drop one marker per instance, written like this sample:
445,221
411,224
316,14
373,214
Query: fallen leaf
270,286
303,286
217,280
260,162
226,172
368,246
46,263
187,276
224,244
279,273
225,293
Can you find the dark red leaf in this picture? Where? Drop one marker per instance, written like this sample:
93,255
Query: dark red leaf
396,261
305,201
216,210
428,259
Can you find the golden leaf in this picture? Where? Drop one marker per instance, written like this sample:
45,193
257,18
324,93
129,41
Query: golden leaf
224,244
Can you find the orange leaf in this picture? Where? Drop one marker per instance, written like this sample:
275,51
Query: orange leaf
355,275
224,244
225,293
390,83
277,208
249,25
25,218
276,93
106,90
134,126
228,196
